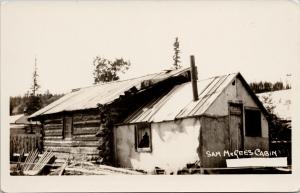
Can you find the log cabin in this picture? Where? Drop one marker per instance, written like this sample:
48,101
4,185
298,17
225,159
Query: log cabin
80,124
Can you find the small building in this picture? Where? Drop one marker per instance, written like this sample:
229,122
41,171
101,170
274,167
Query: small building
174,130
24,135
80,124
19,124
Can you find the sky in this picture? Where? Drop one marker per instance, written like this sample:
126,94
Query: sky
260,39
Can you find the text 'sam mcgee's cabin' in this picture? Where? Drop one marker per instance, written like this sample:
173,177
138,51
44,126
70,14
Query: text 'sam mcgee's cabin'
165,120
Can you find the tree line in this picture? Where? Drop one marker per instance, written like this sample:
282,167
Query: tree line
25,104
260,87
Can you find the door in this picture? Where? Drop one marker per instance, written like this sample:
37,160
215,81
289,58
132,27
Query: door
236,134
68,124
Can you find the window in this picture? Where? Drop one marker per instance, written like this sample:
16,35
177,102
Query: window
143,137
67,127
252,123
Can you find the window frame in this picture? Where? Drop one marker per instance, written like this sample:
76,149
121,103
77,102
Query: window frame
245,121
137,127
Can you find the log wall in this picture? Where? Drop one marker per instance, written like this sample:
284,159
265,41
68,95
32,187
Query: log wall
89,137
83,142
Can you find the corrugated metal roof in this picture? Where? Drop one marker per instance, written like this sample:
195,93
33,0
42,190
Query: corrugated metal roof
178,103
89,97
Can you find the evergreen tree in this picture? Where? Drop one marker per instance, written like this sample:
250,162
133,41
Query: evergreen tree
35,85
34,102
176,56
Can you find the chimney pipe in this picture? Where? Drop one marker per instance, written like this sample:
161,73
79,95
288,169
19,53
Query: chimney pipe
194,78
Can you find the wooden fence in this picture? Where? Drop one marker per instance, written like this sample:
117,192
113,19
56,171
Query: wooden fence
26,142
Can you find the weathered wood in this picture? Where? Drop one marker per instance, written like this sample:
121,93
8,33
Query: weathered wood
76,150
53,138
85,117
62,169
53,121
40,164
85,130
54,132
121,170
86,171
50,143
57,143
53,126
86,122
85,143
91,137
100,170
26,142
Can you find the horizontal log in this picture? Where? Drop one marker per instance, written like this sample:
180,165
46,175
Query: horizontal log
85,137
53,126
52,137
49,143
63,156
85,130
76,150
85,143
54,132
53,121
85,117
86,122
